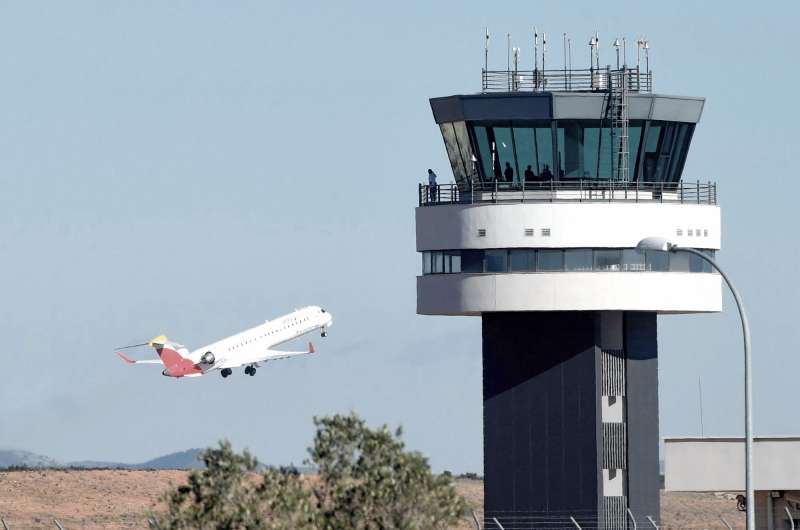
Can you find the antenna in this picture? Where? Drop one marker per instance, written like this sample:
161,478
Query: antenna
544,48
508,52
515,83
624,51
569,60
616,45
597,48
535,58
486,51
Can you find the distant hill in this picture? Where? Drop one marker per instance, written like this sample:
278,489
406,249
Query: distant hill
180,460
11,458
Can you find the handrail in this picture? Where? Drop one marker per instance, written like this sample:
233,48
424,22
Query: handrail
561,80
578,190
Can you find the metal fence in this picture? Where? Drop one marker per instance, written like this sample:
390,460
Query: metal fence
568,191
582,520
564,80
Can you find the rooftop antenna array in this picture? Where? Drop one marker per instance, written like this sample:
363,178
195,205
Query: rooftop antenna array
516,77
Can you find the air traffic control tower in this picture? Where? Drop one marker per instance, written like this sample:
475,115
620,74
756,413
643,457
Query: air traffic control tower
558,174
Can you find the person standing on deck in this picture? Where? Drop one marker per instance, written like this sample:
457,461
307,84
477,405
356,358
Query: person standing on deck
432,187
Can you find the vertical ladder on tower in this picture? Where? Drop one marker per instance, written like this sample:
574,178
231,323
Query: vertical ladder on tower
618,107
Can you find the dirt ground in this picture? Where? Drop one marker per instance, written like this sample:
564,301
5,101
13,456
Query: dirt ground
115,499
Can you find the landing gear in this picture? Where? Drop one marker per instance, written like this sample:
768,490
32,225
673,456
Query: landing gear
225,372
250,370
324,332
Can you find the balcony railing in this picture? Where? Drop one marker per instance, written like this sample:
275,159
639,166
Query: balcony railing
561,80
569,191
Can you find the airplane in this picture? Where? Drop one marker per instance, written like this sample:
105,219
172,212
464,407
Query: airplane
248,348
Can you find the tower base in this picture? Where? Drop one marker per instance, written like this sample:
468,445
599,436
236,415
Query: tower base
570,418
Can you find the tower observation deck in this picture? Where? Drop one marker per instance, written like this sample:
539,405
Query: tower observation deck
557,175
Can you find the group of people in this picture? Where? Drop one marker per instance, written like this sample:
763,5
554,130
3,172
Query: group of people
530,176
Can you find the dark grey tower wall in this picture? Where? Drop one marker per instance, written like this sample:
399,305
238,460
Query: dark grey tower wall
546,378
641,348
541,430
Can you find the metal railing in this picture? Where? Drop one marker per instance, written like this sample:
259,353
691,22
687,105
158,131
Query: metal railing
582,190
562,80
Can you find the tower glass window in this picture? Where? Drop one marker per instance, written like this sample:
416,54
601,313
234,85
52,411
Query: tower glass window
453,152
584,150
522,260
506,163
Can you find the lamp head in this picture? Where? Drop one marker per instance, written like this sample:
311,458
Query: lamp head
656,243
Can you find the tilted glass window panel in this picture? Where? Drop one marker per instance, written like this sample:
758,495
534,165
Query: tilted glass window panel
633,260
426,263
496,260
591,152
651,152
464,146
657,260
526,152
607,260
453,153
570,150
504,144
668,130
634,140
544,151
484,151
549,260
578,260
679,151
522,260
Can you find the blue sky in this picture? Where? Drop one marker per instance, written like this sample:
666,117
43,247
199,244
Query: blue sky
193,168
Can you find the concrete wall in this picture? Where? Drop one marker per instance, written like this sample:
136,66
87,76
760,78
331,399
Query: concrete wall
717,464
664,292
571,225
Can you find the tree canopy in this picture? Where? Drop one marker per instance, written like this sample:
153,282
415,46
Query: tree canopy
366,480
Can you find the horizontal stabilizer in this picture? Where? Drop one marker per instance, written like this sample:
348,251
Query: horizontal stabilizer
127,360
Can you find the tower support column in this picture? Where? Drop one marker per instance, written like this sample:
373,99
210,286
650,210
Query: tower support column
570,416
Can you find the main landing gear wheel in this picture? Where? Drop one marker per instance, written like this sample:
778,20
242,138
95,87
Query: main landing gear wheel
250,370
225,372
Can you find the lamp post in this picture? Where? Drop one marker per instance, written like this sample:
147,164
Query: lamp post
659,243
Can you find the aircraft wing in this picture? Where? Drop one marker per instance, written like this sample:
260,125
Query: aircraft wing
126,360
269,355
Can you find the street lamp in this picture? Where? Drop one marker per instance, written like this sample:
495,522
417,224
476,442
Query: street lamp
659,243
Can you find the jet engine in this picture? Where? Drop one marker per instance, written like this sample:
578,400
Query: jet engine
207,358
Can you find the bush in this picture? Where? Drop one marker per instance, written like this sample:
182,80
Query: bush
367,480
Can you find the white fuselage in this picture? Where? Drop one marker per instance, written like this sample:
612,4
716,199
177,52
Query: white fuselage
253,344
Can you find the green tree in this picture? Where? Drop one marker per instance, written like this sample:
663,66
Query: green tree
366,481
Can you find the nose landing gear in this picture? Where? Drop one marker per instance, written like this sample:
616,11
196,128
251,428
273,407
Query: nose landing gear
324,332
